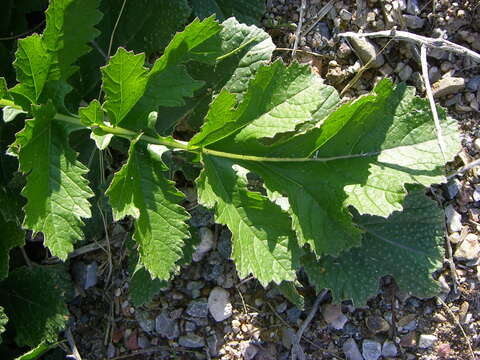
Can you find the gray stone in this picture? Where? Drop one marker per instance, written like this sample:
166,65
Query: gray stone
469,249
474,84
351,350
219,304
332,313
280,308
85,275
389,349
201,216
426,341
367,51
191,341
198,308
454,219
248,350
212,343
412,7
453,188
190,326
414,22
345,15
143,342
194,287
371,350
224,245
448,85
167,327
405,73
207,242
476,193
376,324
434,74
146,323
111,351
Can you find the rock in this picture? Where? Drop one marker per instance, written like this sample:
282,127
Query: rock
426,341
351,350
405,73
389,349
212,343
248,350
345,15
454,219
146,323
143,342
412,7
453,188
85,276
288,334
191,341
190,326
198,308
414,22
367,51
224,245
409,340
371,350
167,327
443,350
219,304
476,193
334,317
377,324
111,351
131,343
207,242
193,288
201,216
448,85
280,308
469,249
473,84
434,74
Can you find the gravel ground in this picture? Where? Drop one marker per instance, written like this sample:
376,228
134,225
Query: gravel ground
249,322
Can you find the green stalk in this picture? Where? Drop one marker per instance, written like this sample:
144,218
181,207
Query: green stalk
175,144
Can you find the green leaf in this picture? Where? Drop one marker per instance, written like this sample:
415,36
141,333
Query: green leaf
12,236
145,25
243,49
167,83
278,100
408,245
41,58
289,290
92,114
363,154
34,299
3,322
40,350
140,190
142,288
246,11
262,241
57,192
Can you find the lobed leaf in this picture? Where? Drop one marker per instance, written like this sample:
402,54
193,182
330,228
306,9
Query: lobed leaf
34,298
407,245
140,190
57,192
262,240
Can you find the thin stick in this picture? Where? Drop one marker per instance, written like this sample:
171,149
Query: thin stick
457,322
296,348
321,14
429,42
433,108
299,27
75,354
466,168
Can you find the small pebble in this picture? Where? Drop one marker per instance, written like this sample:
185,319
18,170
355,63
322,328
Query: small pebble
219,304
351,350
248,350
448,85
207,242
414,22
469,249
426,341
332,313
405,73
198,308
371,350
454,219
377,324
389,349
474,84
191,341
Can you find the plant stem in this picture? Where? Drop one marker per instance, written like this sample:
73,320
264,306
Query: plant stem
172,143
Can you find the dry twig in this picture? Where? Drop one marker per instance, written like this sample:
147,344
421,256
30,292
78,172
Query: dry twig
321,14
299,27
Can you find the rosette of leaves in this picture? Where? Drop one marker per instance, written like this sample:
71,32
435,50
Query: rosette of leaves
335,175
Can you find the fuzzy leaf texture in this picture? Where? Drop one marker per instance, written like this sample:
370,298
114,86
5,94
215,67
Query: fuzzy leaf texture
34,300
139,189
262,240
362,154
50,56
57,192
407,245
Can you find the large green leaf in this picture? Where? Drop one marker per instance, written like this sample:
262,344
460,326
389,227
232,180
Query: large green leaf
363,154
139,189
11,236
278,100
244,49
3,322
246,11
262,241
167,83
50,57
56,191
34,299
407,245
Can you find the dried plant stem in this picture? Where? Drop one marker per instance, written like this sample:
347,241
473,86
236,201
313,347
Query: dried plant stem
298,33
